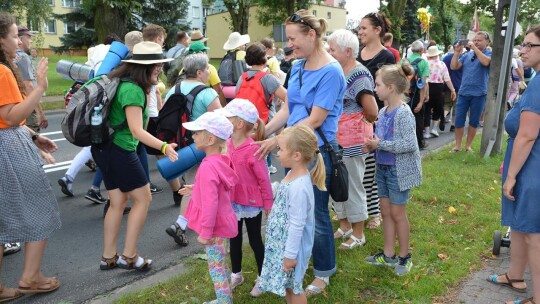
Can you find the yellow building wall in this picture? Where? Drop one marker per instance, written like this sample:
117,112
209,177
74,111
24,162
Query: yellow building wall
54,38
218,29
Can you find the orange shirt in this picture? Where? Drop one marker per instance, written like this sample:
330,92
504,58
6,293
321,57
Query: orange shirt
9,91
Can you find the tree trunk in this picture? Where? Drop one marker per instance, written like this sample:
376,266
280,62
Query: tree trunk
109,20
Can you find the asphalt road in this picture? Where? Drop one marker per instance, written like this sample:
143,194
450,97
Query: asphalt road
73,252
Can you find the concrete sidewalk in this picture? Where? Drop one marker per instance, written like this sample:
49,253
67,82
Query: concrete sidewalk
477,290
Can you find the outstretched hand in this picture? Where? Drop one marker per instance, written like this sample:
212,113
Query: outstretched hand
186,190
266,146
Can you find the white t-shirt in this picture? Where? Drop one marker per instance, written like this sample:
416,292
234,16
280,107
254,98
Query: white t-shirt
152,103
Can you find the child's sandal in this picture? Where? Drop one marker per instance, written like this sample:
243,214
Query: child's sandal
130,263
108,263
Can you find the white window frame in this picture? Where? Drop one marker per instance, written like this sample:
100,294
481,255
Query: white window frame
328,15
314,13
196,12
52,3
46,28
71,3
77,26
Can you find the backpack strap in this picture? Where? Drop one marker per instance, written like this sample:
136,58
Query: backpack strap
191,97
125,123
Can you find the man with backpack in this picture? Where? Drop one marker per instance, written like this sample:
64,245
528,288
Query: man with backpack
419,91
233,63
181,46
288,61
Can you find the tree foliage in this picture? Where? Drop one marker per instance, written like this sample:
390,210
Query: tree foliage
40,10
276,11
239,14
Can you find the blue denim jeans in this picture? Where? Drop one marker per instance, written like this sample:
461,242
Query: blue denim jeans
324,254
472,104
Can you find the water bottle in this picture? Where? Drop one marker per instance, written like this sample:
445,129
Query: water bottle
96,132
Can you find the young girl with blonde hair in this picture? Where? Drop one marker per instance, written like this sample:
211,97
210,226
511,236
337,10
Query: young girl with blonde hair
291,224
253,193
398,164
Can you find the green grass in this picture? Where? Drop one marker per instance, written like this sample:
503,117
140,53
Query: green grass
57,84
445,247
53,105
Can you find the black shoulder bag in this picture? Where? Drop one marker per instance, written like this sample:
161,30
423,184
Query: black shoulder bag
339,180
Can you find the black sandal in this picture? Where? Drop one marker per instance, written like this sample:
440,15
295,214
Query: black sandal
131,262
108,263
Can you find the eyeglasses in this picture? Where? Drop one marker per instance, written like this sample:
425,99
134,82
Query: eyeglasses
473,57
297,19
525,47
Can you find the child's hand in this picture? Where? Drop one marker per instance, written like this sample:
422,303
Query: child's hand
204,241
186,190
288,265
371,144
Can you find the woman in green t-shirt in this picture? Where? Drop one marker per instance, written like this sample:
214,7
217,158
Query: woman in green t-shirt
123,173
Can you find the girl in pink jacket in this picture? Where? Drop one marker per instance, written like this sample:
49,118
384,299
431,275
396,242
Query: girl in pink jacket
209,211
253,192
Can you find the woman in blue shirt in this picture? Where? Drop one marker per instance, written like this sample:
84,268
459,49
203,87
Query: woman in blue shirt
315,98
521,186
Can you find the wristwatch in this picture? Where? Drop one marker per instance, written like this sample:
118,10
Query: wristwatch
35,136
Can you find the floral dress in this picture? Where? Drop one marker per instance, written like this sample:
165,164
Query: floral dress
273,278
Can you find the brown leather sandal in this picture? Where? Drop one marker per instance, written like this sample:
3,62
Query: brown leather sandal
8,294
509,282
41,286
108,263
131,262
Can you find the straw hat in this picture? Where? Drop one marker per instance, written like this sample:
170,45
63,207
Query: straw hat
147,52
236,40
196,35
433,51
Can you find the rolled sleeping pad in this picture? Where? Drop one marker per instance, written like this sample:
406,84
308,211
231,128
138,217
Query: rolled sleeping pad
117,52
73,70
188,157
229,92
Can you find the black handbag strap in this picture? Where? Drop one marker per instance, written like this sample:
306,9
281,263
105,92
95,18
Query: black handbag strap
327,145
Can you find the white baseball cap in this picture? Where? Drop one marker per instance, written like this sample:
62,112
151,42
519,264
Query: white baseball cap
242,108
215,123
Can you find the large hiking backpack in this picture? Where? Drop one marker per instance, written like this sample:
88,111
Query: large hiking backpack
72,90
175,67
230,69
286,65
251,89
416,81
177,110
76,124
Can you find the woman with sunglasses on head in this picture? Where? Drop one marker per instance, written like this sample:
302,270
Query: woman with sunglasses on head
314,98
123,173
521,186
28,209
373,55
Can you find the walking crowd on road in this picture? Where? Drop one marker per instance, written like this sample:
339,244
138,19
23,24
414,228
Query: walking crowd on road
321,102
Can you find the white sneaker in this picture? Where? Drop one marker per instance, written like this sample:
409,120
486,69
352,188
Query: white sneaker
255,292
427,135
236,279
434,132
272,169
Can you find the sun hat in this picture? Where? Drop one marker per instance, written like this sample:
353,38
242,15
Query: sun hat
147,52
433,51
133,38
215,123
242,108
197,46
23,30
236,40
196,35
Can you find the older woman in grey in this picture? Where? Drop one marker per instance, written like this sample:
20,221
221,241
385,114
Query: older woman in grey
197,71
354,128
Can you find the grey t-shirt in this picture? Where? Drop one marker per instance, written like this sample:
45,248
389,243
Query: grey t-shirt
269,82
24,63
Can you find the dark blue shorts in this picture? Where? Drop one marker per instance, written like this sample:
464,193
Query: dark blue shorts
121,169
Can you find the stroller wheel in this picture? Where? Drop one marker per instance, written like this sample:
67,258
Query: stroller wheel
497,240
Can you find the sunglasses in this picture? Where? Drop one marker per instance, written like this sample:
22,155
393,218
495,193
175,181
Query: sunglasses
297,19
473,57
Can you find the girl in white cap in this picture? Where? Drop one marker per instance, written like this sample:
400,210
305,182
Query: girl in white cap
209,211
253,193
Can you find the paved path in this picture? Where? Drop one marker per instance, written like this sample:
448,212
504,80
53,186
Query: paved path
477,290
